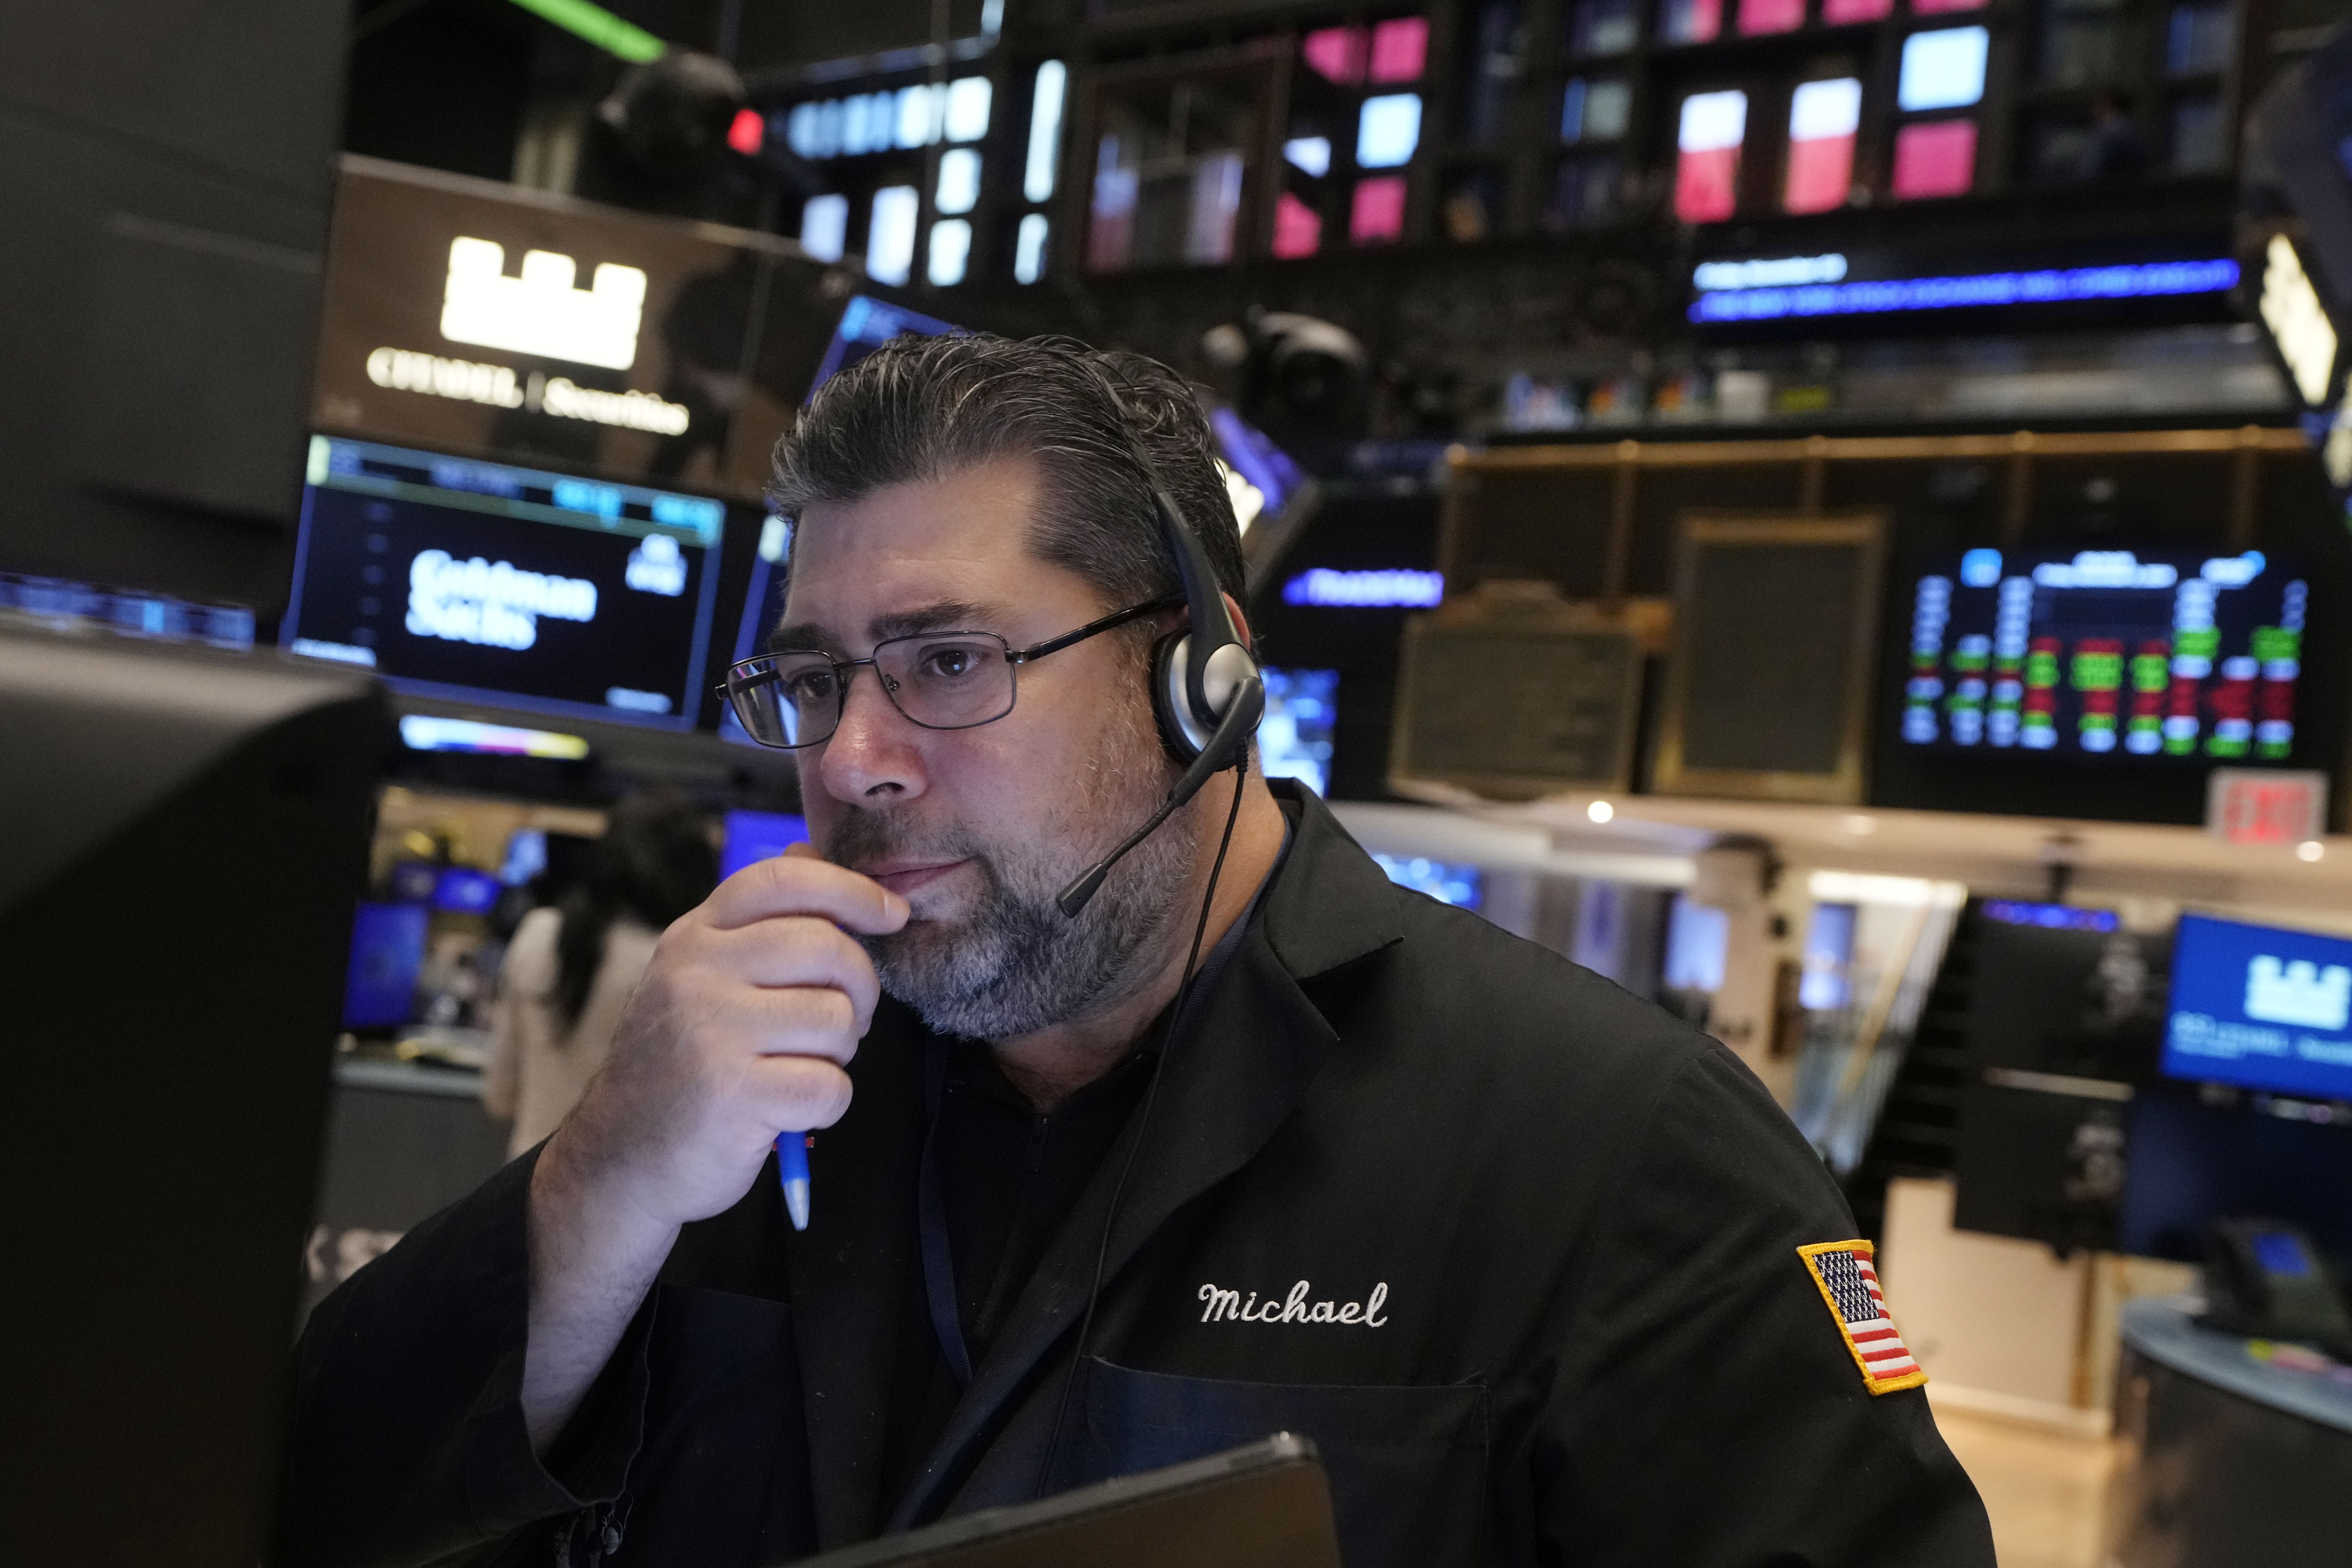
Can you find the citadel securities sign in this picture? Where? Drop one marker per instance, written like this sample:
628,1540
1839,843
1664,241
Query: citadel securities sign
480,319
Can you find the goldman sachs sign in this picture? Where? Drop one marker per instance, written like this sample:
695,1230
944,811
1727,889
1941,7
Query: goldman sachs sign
478,318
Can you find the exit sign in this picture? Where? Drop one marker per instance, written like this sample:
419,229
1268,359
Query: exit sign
2258,806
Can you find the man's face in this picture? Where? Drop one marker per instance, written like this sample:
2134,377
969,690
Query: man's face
979,829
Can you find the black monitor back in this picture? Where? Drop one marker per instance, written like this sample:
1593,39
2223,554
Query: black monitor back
186,833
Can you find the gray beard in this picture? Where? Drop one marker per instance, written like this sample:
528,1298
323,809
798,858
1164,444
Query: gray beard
1016,963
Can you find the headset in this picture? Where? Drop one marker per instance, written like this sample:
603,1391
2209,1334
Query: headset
1208,695
1206,691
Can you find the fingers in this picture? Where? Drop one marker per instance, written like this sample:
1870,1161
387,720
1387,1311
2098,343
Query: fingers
797,949
793,1021
792,884
796,1093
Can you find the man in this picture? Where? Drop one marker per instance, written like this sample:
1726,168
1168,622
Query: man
1518,1252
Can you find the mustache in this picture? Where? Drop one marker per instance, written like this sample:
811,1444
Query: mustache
862,838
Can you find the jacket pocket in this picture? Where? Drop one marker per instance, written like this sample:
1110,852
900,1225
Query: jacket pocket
1408,1465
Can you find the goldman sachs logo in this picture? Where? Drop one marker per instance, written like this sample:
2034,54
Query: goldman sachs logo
539,313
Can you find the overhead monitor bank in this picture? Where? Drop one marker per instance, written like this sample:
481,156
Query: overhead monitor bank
487,582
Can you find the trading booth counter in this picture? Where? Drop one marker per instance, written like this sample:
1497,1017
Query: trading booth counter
2244,1449
405,1140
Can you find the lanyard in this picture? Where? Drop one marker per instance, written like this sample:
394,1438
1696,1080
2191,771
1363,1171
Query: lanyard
930,1201
931,1216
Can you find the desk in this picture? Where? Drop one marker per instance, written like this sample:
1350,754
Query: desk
2236,1454
404,1139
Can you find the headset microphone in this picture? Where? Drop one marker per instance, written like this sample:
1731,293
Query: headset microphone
1239,721
1205,688
1208,697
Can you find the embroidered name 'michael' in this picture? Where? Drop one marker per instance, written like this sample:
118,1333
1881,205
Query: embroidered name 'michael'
1223,1306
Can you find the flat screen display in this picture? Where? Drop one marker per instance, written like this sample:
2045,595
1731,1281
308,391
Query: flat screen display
462,890
482,582
2262,1008
756,836
2173,656
1448,883
865,325
387,949
1294,737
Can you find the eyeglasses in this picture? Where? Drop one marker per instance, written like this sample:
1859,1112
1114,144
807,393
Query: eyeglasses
940,680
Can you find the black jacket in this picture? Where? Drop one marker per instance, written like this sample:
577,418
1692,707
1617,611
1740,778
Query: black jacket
1516,1249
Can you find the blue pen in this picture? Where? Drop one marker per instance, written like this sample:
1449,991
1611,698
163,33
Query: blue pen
792,1170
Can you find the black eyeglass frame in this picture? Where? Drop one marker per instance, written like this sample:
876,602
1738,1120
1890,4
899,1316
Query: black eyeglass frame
741,675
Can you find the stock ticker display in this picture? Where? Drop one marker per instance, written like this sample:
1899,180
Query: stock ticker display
2106,653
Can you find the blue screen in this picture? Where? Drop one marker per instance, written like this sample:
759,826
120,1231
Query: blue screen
1294,737
865,325
413,881
387,949
754,836
462,890
2261,1008
1440,879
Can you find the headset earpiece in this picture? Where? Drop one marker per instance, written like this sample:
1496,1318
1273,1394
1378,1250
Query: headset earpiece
1206,690
1200,672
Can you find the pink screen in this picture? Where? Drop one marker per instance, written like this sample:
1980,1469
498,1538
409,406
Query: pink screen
1936,158
1771,16
1706,184
1400,49
1821,173
1838,13
1335,54
1297,230
1378,211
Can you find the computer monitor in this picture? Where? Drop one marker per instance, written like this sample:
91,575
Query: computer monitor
1294,737
387,951
2054,1049
463,890
481,581
755,836
1445,880
2137,658
2195,1155
188,836
2261,1007
866,324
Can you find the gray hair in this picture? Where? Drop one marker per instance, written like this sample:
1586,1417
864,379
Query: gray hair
924,408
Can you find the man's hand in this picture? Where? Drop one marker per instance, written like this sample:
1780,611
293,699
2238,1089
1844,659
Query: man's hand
751,1008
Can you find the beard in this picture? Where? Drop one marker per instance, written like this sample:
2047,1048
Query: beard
1012,962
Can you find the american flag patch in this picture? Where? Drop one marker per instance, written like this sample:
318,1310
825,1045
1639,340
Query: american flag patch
1848,1281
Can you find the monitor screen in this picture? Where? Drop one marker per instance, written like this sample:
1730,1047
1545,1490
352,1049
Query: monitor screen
1259,475
387,949
462,890
526,857
483,582
1294,737
865,325
2140,658
2261,1008
754,836
2194,1160
1440,879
